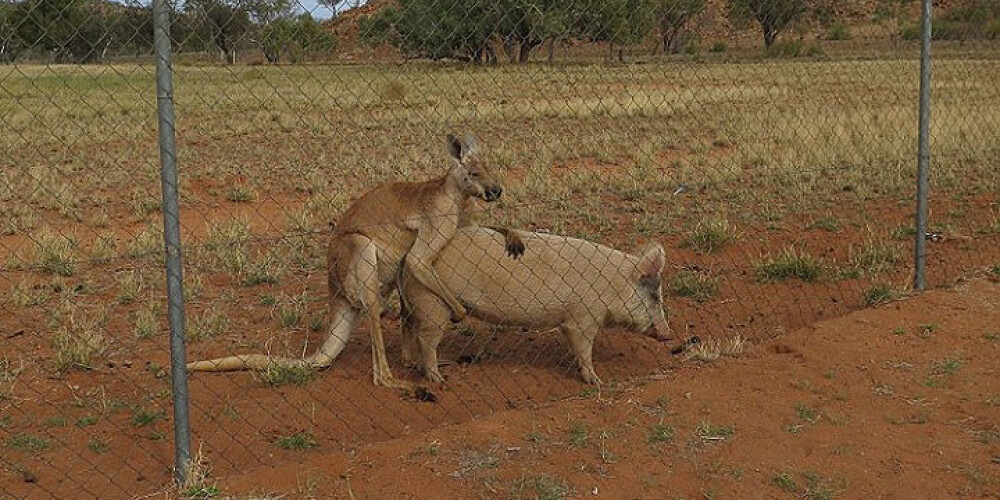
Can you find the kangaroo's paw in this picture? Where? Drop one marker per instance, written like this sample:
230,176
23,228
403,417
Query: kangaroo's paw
515,247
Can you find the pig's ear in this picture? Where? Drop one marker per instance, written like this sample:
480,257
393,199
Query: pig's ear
652,260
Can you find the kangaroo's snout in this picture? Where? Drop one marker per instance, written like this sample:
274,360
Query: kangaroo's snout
492,193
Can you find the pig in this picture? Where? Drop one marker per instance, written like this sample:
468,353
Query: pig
576,285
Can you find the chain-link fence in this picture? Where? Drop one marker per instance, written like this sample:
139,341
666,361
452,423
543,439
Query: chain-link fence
768,147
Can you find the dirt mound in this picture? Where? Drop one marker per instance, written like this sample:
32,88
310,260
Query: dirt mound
346,27
898,401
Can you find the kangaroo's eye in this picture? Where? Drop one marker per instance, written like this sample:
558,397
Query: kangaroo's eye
474,174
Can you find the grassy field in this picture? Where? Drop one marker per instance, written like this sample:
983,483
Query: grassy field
80,152
782,189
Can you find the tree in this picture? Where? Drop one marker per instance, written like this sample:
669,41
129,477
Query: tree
11,44
72,30
619,22
296,38
527,24
435,29
672,16
773,15
226,23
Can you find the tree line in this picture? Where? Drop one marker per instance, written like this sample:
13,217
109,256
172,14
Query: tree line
468,29
83,31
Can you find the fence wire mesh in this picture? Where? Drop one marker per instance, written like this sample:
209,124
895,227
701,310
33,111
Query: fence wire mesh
769,147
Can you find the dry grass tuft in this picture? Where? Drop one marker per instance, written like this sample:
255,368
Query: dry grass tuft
715,348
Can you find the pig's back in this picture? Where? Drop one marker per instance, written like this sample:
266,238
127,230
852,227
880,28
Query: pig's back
556,275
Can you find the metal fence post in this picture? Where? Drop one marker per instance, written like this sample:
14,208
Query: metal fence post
171,236
924,151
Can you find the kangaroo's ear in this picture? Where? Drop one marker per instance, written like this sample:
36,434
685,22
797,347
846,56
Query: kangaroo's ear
470,145
652,260
455,148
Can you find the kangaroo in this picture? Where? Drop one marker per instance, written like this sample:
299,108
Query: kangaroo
574,284
394,227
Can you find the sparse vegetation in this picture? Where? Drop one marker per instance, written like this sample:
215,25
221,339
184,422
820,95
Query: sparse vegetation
710,235
773,144
661,433
9,371
143,417
709,431
97,446
542,487
79,337
880,293
202,491
302,440
130,285
578,435
693,285
785,481
28,442
55,253
278,375
25,294
147,320
714,348
210,323
874,256
242,194
102,249
790,263
806,413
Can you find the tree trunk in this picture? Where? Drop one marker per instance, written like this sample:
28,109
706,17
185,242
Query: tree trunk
508,48
551,50
621,53
527,46
769,35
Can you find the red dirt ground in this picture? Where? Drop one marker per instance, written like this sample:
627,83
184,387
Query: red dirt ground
898,401
917,405
850,407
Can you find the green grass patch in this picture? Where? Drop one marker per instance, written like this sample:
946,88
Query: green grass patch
143,417
86,421
709,235
693,285
542,487
579,436
28,442
880,293
278,375
806,413
298,441
202,491
660,433
790,263
785,481
97,446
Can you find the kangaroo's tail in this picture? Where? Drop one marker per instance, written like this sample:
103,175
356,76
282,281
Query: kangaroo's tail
342,323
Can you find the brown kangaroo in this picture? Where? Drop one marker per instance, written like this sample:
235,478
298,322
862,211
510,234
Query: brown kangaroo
401,225
576,285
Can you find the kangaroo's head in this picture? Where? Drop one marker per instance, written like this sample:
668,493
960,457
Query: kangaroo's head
645,302
468,173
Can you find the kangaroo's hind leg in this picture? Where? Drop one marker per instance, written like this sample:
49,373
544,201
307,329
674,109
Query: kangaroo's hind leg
361,285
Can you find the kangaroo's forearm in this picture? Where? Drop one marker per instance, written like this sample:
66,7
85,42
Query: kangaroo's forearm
425,275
